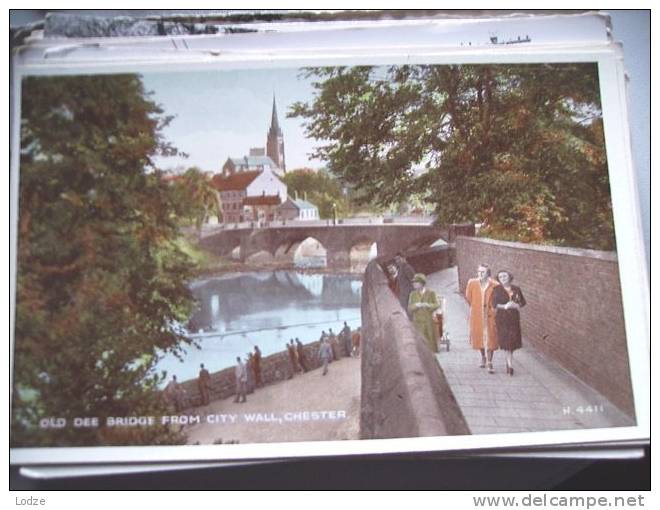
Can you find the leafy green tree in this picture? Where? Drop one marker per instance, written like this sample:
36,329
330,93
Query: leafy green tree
320,188
196,198
100,281
518,148
323,190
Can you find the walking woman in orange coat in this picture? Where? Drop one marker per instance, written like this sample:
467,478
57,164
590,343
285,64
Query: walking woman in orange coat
482,317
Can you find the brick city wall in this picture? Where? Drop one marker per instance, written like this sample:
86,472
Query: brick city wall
404,392
274,368
574,310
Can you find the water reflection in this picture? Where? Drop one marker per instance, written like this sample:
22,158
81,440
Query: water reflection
236,312
310,253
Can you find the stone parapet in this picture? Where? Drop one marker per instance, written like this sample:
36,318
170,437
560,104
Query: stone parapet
404,392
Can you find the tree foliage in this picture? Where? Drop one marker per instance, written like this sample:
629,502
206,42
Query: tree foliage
323,189
196,199
319,188
518,148
100,281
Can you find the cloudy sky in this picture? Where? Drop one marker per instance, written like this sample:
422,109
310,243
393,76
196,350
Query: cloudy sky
223,113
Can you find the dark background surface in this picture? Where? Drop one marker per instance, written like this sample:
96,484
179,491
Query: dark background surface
375,473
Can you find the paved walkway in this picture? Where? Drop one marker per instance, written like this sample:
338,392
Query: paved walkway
541,396
309,407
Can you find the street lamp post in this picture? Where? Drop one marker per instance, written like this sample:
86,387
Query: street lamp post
334,213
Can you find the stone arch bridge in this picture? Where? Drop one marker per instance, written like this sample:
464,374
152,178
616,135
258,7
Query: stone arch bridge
338,240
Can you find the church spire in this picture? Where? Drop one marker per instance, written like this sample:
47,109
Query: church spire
275,140
274,122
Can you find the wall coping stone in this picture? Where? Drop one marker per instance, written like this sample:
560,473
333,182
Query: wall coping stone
609,256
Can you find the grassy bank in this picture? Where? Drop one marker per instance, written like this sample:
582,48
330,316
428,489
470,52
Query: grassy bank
204,261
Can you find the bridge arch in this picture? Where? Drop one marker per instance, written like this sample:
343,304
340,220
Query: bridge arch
302,251
260,257
283,242
362,251
234,251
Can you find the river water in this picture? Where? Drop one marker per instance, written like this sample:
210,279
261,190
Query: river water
238,311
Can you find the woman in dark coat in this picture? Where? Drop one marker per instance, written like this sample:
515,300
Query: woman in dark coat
507,300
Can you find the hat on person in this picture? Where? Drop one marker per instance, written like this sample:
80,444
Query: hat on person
419,277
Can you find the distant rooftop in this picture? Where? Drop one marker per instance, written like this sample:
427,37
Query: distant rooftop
302,204
236,182
253,161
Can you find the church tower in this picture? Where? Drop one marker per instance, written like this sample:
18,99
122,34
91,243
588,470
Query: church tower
275,141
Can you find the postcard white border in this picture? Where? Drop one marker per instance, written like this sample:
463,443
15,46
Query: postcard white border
630,244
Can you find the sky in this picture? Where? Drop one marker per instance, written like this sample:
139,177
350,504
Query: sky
224,113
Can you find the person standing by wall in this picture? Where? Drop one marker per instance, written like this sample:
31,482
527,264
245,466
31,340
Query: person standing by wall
325,354
240,374
291,350
345,335
405,274
256,358
482,335
249,369
507,300
332,340
300,349
175,394
355,342
422,304
391,272
204,385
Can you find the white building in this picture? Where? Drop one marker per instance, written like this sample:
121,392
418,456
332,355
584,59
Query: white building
250,195
296,209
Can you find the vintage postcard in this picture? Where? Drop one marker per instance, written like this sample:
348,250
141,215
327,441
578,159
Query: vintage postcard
303,258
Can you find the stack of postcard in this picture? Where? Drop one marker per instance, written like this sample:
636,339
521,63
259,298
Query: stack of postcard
239,238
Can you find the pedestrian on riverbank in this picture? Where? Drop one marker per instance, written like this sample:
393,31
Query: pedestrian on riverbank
325,354
249,368
293,368
422,304
332,339
507,300
204,385
404,280
240,374
300,350
345,335
483,338
175,394
256,366
356,337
